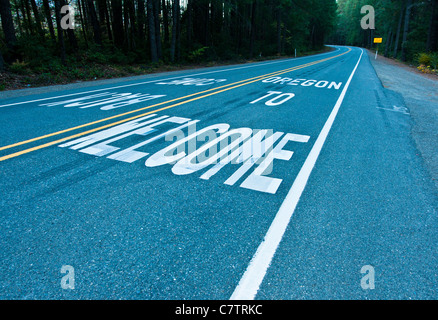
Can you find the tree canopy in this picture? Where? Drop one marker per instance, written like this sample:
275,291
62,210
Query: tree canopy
124,31
189,31
408,27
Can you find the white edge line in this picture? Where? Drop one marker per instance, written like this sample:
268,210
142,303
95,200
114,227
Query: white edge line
252,278
152,81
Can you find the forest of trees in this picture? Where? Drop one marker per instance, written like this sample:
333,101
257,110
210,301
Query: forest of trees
127,31
408,27
173,32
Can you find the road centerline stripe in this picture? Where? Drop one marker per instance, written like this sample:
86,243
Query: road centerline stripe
153,81
242,83
162,103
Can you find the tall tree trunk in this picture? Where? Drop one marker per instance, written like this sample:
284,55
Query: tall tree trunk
238,26
406,30
156,13
164,4
94,22
278,16
28,15
388,42
85,13
7,24
178,36
133,23
226,23
391,43
253,26
127,42
189,22
103,17
216,20
49,20
151,24
83,26
116,6
432,32
175,22
18,19
25,23
37,19
108,22
61,43
100,11
397,37
2,62
70,32
141,19
207,31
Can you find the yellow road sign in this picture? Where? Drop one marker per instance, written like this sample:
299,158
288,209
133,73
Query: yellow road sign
377,40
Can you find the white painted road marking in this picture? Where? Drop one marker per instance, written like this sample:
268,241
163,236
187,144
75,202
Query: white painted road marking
246,147
105,100
396,109
252,278
304,82
193,82
158,80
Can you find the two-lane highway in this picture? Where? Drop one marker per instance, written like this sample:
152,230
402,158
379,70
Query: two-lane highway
270,180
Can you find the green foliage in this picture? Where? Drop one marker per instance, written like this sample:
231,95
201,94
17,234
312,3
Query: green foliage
96,56
197,54
45,78
404,35
434,60
19,67
209,31
428,62
424,59
35,52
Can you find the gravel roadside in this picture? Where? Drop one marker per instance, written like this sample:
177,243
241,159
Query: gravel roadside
420,93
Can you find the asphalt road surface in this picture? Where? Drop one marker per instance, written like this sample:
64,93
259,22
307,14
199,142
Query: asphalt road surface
284,179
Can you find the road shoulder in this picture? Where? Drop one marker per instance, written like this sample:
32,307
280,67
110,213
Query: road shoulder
420,94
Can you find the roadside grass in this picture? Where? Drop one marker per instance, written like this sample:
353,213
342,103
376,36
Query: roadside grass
97,66
426,63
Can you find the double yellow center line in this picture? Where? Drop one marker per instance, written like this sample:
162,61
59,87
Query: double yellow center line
190,97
